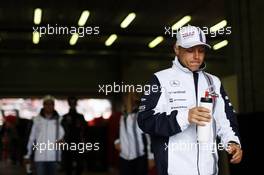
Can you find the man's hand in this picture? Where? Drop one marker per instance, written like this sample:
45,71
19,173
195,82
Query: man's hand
199,115
60,141
118,147
236,152
151,163
26,160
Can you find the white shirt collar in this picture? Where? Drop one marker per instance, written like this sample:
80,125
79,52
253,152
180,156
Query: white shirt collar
177,64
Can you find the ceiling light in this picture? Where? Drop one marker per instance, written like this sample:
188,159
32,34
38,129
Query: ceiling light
130,17
220,45
218,26
74,39
84,16
37,16
35,37
155,42
110,40
181,22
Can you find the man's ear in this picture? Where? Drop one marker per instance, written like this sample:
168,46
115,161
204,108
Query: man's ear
176,49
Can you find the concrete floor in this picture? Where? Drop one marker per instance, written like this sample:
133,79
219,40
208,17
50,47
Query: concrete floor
7,168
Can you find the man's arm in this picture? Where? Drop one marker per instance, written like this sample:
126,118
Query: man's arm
227,126
154,120
31,139
117,142
61,129
226,119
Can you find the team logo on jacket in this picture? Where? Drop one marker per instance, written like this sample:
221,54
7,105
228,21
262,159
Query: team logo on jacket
141,108
175,83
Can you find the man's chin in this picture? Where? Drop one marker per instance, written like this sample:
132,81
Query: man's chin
194,68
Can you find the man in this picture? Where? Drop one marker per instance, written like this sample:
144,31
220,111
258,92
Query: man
133,144
45,134
74,126
171,114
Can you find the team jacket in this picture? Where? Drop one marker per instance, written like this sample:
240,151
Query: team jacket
43,136
164,115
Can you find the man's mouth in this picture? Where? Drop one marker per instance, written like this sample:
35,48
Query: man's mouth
195,62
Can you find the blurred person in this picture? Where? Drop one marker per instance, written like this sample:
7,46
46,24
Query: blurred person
171,114
45,134
9,138
74,125
133,144
112,134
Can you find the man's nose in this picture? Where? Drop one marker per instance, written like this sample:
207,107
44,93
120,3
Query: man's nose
196,54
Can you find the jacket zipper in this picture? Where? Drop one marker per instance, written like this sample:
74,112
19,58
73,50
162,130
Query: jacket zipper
196,97
46,138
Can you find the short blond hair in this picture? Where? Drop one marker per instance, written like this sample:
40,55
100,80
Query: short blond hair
48,98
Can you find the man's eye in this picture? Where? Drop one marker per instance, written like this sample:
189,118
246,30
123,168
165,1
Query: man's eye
201,50
189,50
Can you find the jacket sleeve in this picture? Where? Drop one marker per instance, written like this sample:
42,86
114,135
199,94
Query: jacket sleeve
61,129
226,122
32,138
118,139
149,151
155,118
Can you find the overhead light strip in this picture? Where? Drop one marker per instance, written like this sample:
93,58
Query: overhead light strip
35,37
111,40
218,26
83,18
37,16
74,39
220,45
155,42
130,17
181,22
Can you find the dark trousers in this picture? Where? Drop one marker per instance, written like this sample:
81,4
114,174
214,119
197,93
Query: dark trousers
44,168
138,166
72,162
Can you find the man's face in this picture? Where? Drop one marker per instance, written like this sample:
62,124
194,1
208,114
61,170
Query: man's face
48,107
72,103
192,57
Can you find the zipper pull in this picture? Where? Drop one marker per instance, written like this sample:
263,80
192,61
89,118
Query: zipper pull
206,94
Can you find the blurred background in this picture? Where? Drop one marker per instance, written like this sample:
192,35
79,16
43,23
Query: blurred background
63,64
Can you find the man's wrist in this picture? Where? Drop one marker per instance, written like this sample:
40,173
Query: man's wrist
234,142
26,157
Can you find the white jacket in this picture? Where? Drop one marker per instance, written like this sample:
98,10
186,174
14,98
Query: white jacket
164,115
134,143
43,136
